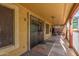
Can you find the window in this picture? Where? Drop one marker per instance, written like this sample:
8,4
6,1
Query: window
6,26
75,23
75,31
47,28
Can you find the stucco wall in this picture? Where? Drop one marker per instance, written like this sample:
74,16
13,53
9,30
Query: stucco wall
23,34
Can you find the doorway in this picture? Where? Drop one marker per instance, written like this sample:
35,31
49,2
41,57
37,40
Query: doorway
36,31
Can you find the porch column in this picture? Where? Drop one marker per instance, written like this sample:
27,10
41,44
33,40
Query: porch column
70,33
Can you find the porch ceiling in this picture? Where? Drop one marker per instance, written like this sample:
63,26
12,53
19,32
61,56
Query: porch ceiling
56,13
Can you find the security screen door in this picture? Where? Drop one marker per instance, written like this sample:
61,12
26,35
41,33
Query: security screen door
36,31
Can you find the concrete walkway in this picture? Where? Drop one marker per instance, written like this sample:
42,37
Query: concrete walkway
57,49
55,46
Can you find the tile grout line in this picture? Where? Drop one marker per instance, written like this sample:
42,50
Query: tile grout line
63,46
61,42
50,51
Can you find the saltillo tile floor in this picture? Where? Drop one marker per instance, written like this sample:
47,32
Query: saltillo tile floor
54,46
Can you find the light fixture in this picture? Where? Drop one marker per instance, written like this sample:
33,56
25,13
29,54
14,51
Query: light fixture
52,17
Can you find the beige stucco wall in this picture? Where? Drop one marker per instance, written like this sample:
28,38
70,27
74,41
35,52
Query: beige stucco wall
47,36
23,34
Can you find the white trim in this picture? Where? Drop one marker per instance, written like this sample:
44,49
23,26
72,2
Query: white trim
61,42
28,25
29,31
7,49
50,51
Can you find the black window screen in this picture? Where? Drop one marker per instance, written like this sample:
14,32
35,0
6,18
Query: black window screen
6,26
